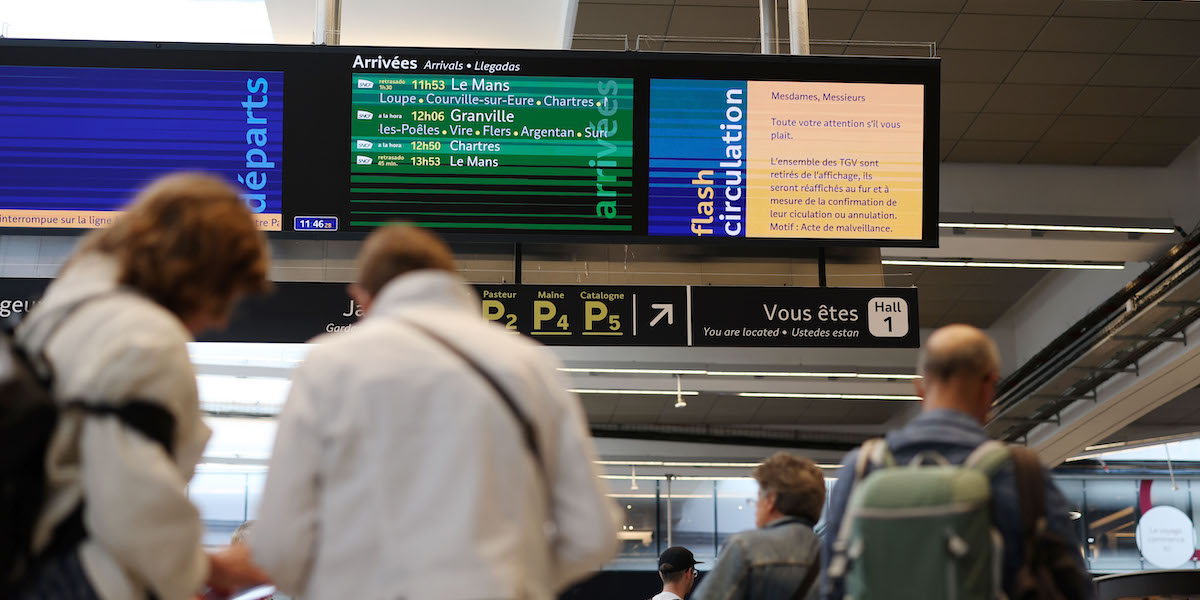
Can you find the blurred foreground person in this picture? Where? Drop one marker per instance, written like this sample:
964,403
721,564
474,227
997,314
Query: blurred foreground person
428,454
938,510
782,558
113,328
677,569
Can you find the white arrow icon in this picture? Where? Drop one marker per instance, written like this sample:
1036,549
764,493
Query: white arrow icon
665,310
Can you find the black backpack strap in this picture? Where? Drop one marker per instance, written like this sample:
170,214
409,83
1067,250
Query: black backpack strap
149,419
528,431
37,359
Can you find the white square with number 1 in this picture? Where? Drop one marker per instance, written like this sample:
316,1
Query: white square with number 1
887,317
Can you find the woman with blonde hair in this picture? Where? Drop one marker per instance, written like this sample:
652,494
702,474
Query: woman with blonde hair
113,329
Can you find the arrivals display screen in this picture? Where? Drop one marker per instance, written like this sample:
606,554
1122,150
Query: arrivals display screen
482,145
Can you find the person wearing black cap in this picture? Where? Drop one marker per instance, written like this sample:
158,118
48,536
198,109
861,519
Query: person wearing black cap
677,568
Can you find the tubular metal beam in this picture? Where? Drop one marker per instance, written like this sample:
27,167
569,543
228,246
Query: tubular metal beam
798,26
327,29
1151,338
1091,397
767,25
1108,370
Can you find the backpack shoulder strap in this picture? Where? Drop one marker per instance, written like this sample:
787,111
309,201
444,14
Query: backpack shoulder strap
151,420
35,354
1031,490
873,455
988,457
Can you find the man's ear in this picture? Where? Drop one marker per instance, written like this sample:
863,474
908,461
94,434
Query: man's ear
919,386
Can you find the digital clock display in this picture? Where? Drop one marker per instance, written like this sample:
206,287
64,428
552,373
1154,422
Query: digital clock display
315,223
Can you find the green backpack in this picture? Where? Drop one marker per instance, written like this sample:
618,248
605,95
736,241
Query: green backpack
921,531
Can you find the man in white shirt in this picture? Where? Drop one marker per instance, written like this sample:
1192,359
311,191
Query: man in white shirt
401,471
677,569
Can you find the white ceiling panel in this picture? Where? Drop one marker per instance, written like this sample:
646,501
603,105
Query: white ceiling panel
1150,155
831,24
977,65
629,19
1087,129
1176,103
1012,7
903,26
1066,153
993,32
1107,9
1106,100
966,97
989,151
1153,71
1164,37
947,6
719,21
1186,10
1078,34
1007,127
1021,98
1056,67
1163,130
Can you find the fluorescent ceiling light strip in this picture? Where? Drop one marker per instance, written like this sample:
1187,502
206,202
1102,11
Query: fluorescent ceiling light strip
1182,437
638,392
659,463
630,463
996,264
829,396
780,374
817,374
1086,228
635,371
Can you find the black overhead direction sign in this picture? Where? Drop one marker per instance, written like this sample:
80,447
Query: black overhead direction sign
586,315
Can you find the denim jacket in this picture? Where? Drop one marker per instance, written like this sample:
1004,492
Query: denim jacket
763,564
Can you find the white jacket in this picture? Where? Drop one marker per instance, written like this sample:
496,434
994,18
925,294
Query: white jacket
399,473
143,531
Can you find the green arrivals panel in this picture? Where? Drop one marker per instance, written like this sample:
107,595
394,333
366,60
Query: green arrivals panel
479,153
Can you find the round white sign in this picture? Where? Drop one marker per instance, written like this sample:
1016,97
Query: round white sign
1165,537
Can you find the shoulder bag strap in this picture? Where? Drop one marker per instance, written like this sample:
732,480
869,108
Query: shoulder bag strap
809,578
528,432
1031,490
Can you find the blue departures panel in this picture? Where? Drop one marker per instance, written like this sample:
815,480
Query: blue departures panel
77,143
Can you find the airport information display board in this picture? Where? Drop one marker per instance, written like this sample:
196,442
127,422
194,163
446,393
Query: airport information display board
488,145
